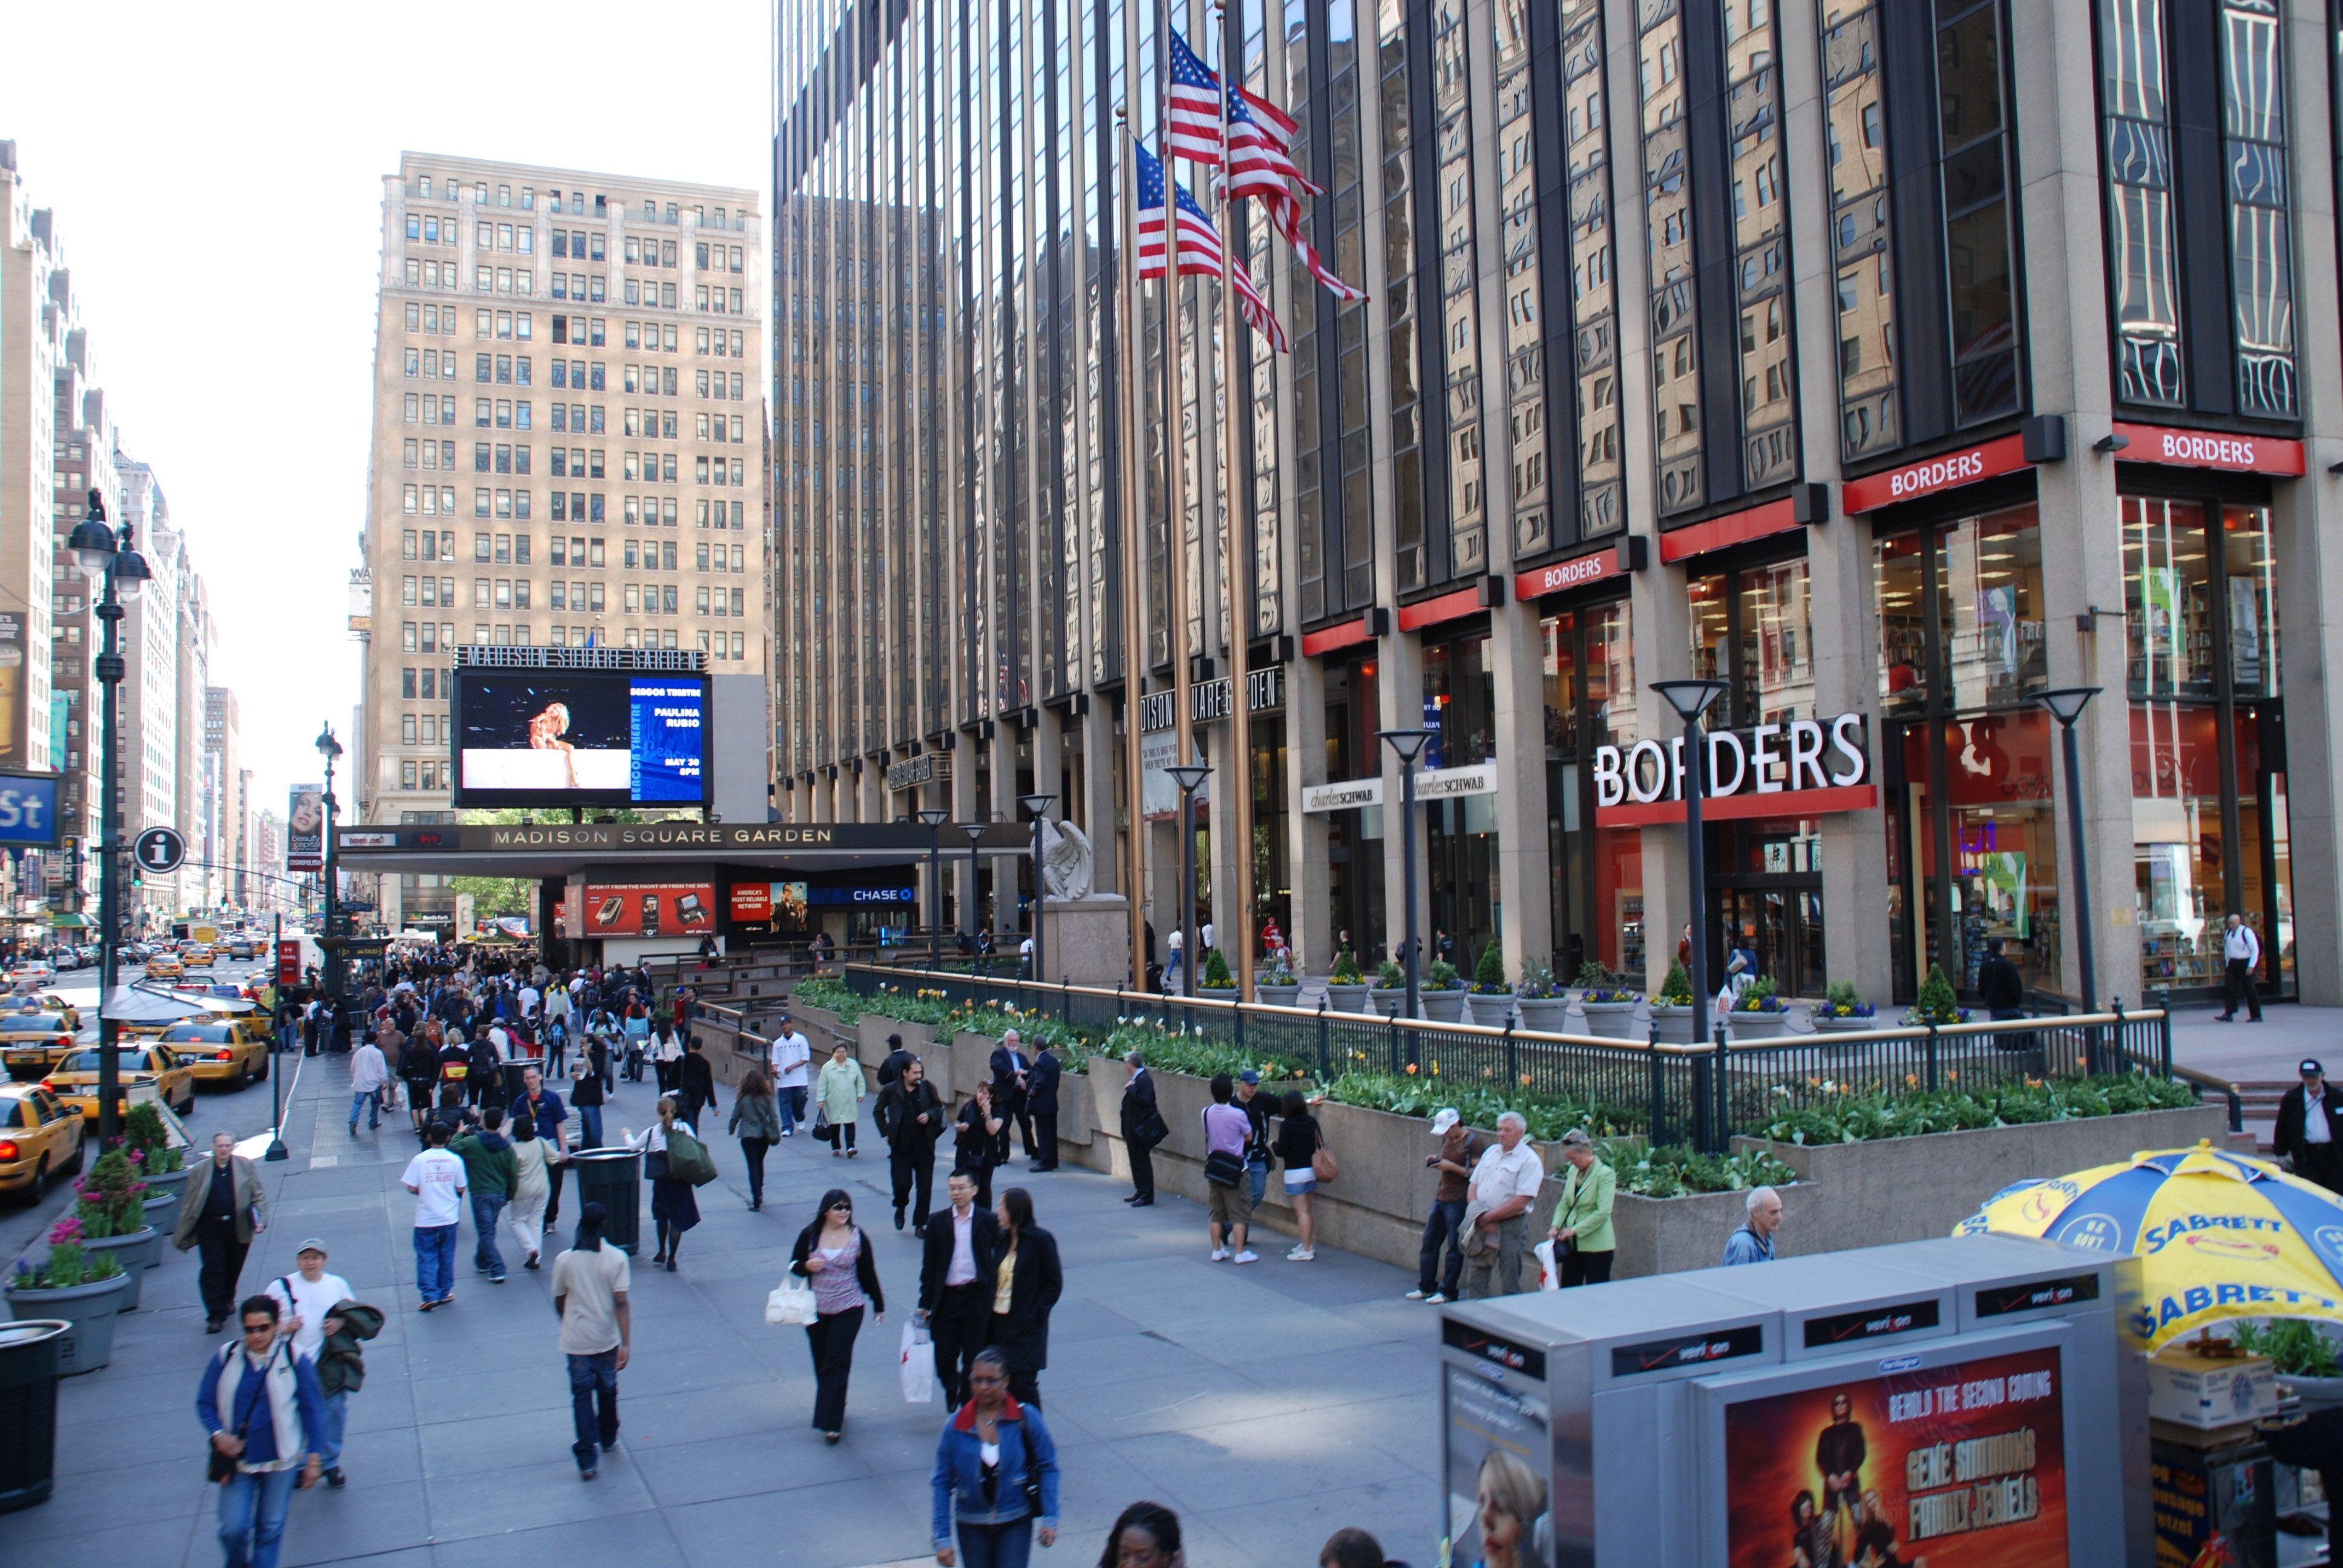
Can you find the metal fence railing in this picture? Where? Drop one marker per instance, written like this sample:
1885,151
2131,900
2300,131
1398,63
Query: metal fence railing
1681,1093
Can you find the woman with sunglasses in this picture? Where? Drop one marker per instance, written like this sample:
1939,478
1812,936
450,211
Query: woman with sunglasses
836,1255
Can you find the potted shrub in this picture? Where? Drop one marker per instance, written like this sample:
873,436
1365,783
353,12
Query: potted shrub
1610,1007
1491,997
1672,1008
1443,992
78,1287
1757,1014
1936,1003
162,1164
1542,1004
113,1215
1389,993
2299,1352
1843,1009
1217,981
1347,988
1275,984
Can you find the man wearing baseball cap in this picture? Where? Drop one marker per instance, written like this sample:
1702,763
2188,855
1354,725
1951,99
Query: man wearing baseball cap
1459,1150
307,1302
2309,1130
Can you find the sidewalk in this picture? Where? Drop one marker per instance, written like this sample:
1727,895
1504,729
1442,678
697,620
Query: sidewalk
1268,1405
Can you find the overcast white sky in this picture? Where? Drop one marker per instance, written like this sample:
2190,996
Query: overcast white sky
216,174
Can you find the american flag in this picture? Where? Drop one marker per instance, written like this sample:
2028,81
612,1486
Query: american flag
1285,216
1261,148
1200,248
1195,127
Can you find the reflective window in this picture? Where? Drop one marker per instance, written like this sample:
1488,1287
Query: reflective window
1761,247
1978,145
1667,221
2261,257
2138,151
1595,302
1856,146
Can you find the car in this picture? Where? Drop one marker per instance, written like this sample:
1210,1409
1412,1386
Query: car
32,1043
65,957
56,1003
239,947
195,955
164,966
233,1051
40,1139
32,976
73,1080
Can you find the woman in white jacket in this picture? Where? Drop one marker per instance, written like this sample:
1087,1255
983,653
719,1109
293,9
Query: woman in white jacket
531,1186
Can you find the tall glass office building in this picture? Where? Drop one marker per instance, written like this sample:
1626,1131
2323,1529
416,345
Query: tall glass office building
1890,363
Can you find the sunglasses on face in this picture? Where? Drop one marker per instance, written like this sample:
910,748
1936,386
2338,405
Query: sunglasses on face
842,1208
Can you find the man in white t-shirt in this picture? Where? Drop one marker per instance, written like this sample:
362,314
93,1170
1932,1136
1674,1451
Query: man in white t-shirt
1504,1187
305,1300
436,1178
791,1052
589,1296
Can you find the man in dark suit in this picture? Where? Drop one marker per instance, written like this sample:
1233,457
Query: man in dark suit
957,1269
1143,1130
910,1118
1041,1099
1010,1076
897,1053
2309,1128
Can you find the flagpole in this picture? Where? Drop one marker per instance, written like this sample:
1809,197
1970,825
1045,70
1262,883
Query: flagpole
1134,629
1237,581
1175,469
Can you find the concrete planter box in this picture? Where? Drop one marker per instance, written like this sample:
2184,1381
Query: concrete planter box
1490,1012
1911,1189
874,1030
170,1182
808,1017
1757,1025
1667,1235
91,1309
1845,1025
160,1210
1545,1014
1346,997
1444,1006
1278,995
1671,1025
1610,1019
1383,1002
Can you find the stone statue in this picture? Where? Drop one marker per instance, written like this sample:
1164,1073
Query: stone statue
1065,860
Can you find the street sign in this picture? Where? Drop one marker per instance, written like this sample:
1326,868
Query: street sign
288,963
159,849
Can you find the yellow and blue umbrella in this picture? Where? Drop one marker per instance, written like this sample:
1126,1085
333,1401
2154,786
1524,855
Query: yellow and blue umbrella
2218,1236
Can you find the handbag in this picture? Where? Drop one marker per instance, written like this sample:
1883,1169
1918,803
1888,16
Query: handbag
1322,1163
1223,1169
791,1303
687,1160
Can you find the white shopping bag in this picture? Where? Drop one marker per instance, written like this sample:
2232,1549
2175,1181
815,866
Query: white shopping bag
1549,1272
919,1365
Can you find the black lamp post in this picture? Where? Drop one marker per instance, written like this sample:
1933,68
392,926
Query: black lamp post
2066,705
1691,700
1039,805
935,816
1189,777
1408,746
117,564
975,831
330,749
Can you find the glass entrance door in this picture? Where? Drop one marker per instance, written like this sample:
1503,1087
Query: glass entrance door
1766,898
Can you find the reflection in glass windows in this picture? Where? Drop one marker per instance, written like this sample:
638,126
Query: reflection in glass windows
2261,257
1667,220
2139,150
1761,246
1978,149
1524,331
1856,145
1400,297
1451,98
1594,301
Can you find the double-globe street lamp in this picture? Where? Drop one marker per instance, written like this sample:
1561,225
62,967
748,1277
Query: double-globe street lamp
1691,700
935,816
115,563
1039,805
1189,777
1408,746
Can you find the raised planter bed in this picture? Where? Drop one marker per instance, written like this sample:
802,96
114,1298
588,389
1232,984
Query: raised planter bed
1610,1019
1383,1002
1757,1025
1545,1014
1671,1025
1444,1006
90,1309
1490,1012
1346,997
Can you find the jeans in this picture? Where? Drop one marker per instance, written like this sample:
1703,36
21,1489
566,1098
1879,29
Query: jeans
1008,1545
486,1208
329,1441
370,1101
830,1337
594,1404
252,1516
792,1102
1439,1231
435,1261
753,1155
590,1127
1257,1174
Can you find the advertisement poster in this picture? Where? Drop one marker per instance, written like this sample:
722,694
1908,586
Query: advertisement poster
304,829
559,736
1961,1465
1498,1460
752,902
664,756
651,909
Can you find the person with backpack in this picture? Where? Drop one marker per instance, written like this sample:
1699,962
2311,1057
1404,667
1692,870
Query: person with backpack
316,1315
261,1406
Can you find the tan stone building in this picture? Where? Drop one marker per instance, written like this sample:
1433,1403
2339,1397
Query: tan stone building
567,437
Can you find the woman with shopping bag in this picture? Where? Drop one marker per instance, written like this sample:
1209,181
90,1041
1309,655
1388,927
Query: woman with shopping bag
838,1090
836,1256
673,1208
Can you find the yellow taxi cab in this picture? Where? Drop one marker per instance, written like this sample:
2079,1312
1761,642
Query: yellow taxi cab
194,956
32,1043
165,966
39,1140
53,1001
233,1051
75,1080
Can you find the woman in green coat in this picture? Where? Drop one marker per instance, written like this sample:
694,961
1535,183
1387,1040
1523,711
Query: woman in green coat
1581,1233
838,1091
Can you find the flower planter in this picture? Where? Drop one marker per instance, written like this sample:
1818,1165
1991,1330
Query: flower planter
136,1252
1845,1025
1671,1025
1384,1002
1346,997
170,1182
2316,1393
1545,1014
1444,1006
1490,1011
29,1371
1278,995
1757,1025
160,1210
91,1309
1611,1020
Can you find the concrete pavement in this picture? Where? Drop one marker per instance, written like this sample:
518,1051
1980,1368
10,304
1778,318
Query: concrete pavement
1268,1404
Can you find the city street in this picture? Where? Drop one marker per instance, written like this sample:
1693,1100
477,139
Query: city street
1268,1405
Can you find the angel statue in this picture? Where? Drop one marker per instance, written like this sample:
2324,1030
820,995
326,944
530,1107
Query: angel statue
1065,860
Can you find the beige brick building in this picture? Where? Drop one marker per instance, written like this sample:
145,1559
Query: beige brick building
567,446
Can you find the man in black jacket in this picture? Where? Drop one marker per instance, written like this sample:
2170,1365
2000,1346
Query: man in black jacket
2310,1128
957,1283
698,1082
897,1055
1010,1074
910,1118
1041,1099
1143,1130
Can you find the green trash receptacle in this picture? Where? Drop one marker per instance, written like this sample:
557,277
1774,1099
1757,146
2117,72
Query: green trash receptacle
614,1178
29,1369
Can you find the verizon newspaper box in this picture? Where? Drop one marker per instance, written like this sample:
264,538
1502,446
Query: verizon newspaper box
1959,1401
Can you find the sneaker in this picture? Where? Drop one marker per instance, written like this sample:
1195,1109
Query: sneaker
496,1279
585,1473
1247,1256
1303,1255
1435,1299
1415,1295
1219,1254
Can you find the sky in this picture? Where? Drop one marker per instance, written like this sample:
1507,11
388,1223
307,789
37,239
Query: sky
216,175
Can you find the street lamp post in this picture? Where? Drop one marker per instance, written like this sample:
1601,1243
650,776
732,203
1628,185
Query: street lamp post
1189,777
2066,705
975,831
935,816
1408,746
117,564
1691,700
330,749
1037,805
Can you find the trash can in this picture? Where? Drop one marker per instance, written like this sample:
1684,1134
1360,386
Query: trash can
614,1178
29,1370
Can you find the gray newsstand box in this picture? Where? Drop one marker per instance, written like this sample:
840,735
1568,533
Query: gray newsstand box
1677,1421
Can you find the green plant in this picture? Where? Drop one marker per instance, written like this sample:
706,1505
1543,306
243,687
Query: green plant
1537,977
149,1142
1841,1000
69,1263
1489,974
1276,971
1840,1115
1762,996
1936,1003
1442,976
1391,977
1420,1094
1172,1049
1216,972
1675,989
111,1196
2295,1348
1346,969
1676,1170
830,996
1600,989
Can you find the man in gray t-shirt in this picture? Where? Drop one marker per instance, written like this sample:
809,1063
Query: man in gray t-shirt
589,1296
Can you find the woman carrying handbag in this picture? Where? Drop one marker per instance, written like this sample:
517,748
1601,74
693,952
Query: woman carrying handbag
1301,1149
836,1255
674,1208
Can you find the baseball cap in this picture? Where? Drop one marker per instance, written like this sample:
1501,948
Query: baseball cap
1443,1120
311,1245
1249,1076
2310,1068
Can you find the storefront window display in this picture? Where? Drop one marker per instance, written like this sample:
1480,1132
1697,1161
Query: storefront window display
2209,829
1355,839
1598,872
1461,831
1272,895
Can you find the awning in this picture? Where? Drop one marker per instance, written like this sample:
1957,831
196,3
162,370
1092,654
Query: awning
66,921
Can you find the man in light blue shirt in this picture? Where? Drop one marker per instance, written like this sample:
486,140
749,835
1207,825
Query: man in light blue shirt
1754,1242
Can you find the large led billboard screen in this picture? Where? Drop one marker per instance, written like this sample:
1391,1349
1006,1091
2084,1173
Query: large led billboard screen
580,737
